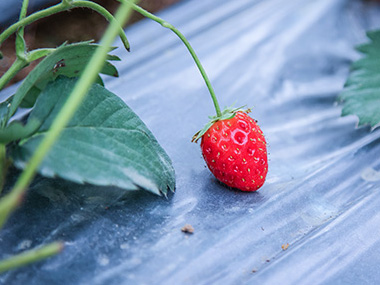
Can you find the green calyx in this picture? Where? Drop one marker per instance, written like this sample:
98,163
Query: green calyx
227,113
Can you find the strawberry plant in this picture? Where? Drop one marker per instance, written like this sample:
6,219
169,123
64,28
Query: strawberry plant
78,130
361,96
75,129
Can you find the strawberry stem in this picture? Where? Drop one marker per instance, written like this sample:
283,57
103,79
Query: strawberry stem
189,47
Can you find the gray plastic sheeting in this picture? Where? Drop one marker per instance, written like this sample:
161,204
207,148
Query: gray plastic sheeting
287,59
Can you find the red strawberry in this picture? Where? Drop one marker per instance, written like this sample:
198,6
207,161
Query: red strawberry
235,152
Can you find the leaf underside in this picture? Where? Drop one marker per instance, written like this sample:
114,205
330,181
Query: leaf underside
361,96
105,143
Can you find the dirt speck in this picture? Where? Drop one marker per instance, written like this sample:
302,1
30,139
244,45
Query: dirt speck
188,229
285,246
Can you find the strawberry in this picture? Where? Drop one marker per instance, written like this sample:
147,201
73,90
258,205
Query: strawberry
233,145
235,151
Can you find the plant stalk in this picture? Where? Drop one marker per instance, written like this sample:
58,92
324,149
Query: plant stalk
17,65
24,58
20,42
63,6
30,256
32,18
189,47
107,15
3,165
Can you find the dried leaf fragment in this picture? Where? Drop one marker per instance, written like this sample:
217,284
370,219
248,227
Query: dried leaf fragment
285,246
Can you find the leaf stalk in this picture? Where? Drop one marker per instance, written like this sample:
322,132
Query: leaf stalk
188,46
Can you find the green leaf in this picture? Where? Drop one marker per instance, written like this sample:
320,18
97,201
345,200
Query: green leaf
4,108
361,96
105,143
38,53
67,60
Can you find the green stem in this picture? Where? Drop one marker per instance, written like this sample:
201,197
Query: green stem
189,47
20,42
30,256
30,19
24,9
17,65
20,63
107,15
3,165
8,204
25,58
63,6
11,200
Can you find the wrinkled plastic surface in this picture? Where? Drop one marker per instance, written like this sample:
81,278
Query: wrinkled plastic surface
287,59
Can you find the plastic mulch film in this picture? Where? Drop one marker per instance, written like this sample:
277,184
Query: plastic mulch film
315,221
